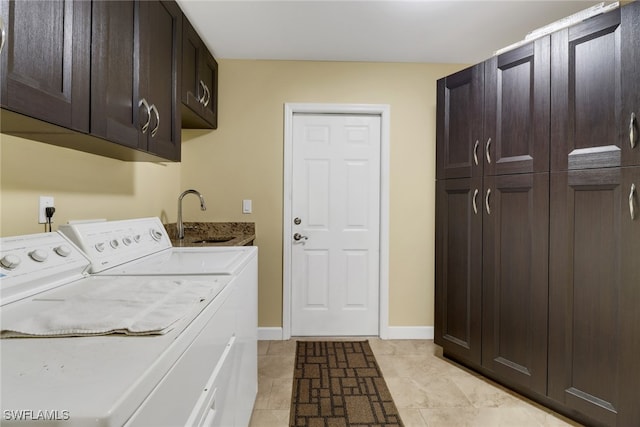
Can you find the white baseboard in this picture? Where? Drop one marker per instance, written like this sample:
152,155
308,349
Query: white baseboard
393,333
410,333
269,334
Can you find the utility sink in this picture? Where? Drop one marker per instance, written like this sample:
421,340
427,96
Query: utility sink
214,240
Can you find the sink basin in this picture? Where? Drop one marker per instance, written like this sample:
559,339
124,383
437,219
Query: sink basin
214,240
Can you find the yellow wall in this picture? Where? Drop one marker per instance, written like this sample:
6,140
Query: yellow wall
84,186
243,159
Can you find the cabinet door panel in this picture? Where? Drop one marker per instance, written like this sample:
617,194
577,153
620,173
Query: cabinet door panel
630,28
199,81
517,107
629,332
191,46
209,74
459,131
160,38
587,291
515,278
46,66
586,94
113,68
459,267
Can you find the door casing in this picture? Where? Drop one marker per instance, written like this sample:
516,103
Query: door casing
382,110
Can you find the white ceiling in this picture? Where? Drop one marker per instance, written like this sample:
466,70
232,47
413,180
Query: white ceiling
427,31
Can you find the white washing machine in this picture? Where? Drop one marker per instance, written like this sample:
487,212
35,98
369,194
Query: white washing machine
146,242
142,247
187,372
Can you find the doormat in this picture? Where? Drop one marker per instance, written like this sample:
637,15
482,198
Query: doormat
339,384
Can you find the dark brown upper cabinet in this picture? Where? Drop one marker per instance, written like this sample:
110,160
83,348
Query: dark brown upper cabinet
493,118
516,110
45,61
199,81
459,134
135,71
630,80
595,106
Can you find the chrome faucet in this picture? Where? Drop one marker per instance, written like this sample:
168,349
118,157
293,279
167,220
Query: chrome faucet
180,223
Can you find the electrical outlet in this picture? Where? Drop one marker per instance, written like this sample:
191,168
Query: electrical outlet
45,202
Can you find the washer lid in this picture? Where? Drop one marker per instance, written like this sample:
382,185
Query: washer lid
188,261
91,381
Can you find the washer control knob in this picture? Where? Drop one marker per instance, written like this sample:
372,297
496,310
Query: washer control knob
63,250
127,241
114,244
155,234
38,255
10,261
137,238
100,247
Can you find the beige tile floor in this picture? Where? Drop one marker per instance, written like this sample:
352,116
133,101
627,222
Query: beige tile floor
427,389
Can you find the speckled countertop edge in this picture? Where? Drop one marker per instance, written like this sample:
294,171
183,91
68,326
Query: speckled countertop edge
239,233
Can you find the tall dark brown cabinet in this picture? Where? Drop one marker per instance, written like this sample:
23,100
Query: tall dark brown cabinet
595,226
492,214
538,219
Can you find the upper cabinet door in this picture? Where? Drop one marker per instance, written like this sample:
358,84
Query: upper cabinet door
199,81
135,75
586,94
517,107
630,28
45,60
113,116
160,35
459,138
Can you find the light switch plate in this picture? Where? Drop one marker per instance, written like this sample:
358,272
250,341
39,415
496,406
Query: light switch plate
246,206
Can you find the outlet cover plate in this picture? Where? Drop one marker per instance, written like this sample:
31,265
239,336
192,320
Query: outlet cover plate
45,202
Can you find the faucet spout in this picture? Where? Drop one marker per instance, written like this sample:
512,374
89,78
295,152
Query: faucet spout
203,207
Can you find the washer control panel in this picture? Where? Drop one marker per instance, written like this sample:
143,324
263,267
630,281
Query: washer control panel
111,243
35,262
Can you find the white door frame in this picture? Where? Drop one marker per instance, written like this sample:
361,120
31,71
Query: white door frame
384,112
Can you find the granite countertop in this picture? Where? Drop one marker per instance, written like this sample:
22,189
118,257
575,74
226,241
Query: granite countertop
226,234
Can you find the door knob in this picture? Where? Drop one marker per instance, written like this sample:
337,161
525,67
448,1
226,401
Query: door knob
299,236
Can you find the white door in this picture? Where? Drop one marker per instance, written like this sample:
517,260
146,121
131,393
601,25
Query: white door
335,206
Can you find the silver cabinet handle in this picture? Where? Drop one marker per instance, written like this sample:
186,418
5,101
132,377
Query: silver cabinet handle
146,106
208,93
155,129
486,201
632,206
475,205
3,34
487,151
204,92
299,236
475,152
633,133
